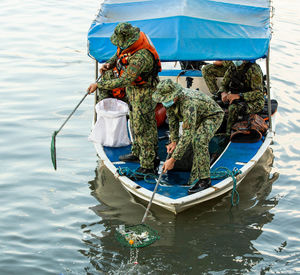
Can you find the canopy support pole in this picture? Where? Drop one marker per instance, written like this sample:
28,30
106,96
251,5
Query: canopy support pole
268,89
96,92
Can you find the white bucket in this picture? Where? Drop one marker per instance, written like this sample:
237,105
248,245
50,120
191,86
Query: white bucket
111,126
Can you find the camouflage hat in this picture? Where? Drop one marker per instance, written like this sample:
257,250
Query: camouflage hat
125,35
166,90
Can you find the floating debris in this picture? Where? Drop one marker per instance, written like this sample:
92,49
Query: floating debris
135,236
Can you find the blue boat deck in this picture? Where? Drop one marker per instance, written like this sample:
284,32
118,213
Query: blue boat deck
173,184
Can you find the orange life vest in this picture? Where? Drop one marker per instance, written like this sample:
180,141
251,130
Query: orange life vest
142,43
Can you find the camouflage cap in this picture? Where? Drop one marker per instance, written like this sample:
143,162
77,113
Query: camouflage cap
166,90
125,35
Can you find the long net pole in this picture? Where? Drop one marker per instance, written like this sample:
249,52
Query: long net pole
96,92
268,88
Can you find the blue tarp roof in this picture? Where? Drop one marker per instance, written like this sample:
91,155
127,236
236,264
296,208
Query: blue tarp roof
188,29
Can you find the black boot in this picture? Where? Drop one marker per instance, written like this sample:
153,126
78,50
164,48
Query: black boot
129,158
141,172
200,185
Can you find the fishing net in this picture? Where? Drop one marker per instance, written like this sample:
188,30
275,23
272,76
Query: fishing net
135,236
53,150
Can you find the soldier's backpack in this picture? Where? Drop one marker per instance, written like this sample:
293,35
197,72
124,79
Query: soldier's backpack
249,131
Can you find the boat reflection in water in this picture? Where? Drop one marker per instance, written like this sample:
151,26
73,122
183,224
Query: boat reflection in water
210,237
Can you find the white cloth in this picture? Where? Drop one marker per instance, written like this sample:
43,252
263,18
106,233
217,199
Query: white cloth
110,128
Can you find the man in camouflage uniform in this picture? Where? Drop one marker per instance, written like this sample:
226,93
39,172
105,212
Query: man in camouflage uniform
201,117
242,88
142,115
210,73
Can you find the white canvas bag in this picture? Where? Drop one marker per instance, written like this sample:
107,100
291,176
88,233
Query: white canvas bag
111,126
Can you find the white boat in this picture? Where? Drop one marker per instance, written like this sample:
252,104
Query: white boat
223,30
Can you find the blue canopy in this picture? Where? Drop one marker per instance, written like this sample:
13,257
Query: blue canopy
188,29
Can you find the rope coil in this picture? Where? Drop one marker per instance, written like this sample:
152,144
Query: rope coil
223,172
125,171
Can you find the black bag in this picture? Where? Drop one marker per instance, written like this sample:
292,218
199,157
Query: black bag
264,113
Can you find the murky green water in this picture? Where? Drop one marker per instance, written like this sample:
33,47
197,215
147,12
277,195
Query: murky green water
62,222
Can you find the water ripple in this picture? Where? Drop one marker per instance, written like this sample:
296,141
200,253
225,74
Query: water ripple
63,222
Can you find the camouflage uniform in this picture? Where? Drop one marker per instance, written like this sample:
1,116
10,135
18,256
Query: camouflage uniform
201,117
210,73
142,115
105,93
253,98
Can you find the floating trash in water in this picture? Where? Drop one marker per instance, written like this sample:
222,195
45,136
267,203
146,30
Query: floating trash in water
136,236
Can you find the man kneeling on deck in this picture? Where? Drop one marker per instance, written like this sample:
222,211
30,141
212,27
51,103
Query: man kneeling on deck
201,117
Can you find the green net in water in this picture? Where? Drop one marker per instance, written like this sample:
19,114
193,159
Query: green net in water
135,236
53,149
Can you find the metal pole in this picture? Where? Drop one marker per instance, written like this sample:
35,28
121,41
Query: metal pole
96,92
96,69
150,202
268,89
154,191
